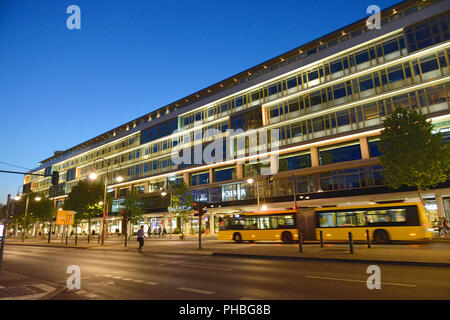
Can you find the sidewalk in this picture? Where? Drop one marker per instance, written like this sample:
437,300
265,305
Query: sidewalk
425,253
14,286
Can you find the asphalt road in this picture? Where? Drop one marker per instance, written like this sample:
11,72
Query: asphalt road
129,275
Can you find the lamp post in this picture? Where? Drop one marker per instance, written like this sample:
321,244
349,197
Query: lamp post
164,193
250,181
93,176
27,201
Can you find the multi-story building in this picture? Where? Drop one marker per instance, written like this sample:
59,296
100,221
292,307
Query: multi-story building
327,99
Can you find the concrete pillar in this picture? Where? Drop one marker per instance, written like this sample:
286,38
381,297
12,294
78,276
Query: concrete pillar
440,205
314,157
186,178
265,116
364,145
115,192
274,164
239,171
211,175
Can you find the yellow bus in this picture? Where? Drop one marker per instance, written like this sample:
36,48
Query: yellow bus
267,225
385,222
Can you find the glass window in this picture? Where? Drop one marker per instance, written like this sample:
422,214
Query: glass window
326,219
339,153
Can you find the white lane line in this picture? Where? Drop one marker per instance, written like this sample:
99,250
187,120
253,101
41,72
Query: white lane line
195,290
202,267
151,283
352,280
139,281
127,279
91,295
117,277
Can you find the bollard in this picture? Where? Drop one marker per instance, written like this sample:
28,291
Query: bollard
321,238
67,239
350,241
368,238
300,242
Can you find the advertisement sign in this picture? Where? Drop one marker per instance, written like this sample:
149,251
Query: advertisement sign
2,226
64,218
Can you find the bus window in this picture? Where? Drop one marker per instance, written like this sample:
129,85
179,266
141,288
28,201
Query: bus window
398,215
326,219
350,219
391,215
263,223
286,222
273,222
250,223
237,224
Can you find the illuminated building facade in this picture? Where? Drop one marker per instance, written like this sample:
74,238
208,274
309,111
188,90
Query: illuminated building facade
327,99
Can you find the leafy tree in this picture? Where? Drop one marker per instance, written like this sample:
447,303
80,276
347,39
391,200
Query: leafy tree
182,204
42,210
411,154
131,207
38,211
84,199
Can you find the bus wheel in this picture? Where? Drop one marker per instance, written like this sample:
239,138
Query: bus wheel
237,237
381,236
286,237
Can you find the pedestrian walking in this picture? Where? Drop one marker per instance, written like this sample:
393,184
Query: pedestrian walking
164,232
140,238
159,231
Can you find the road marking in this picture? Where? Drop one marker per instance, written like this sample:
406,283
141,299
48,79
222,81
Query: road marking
117,277
138,281
202,267
248,298
352,280
47,289
80,292
91,295
151,283
195,290
127,279
2,287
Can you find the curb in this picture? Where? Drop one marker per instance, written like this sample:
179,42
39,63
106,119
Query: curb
47,246
389,262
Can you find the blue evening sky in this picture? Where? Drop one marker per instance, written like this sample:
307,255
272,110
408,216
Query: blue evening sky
60,87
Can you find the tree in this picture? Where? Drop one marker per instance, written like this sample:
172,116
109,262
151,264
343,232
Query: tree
84,199
42,210
182,204
38,211
411,154
131,207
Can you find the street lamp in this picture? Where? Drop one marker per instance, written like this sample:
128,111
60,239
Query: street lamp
164,193
93,176
17,198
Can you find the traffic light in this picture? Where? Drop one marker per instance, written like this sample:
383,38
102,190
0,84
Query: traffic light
55,178
204,209
195,206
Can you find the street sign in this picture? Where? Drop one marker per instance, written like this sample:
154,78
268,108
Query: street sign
64,218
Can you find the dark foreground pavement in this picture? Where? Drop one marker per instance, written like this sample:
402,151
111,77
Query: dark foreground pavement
113,274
